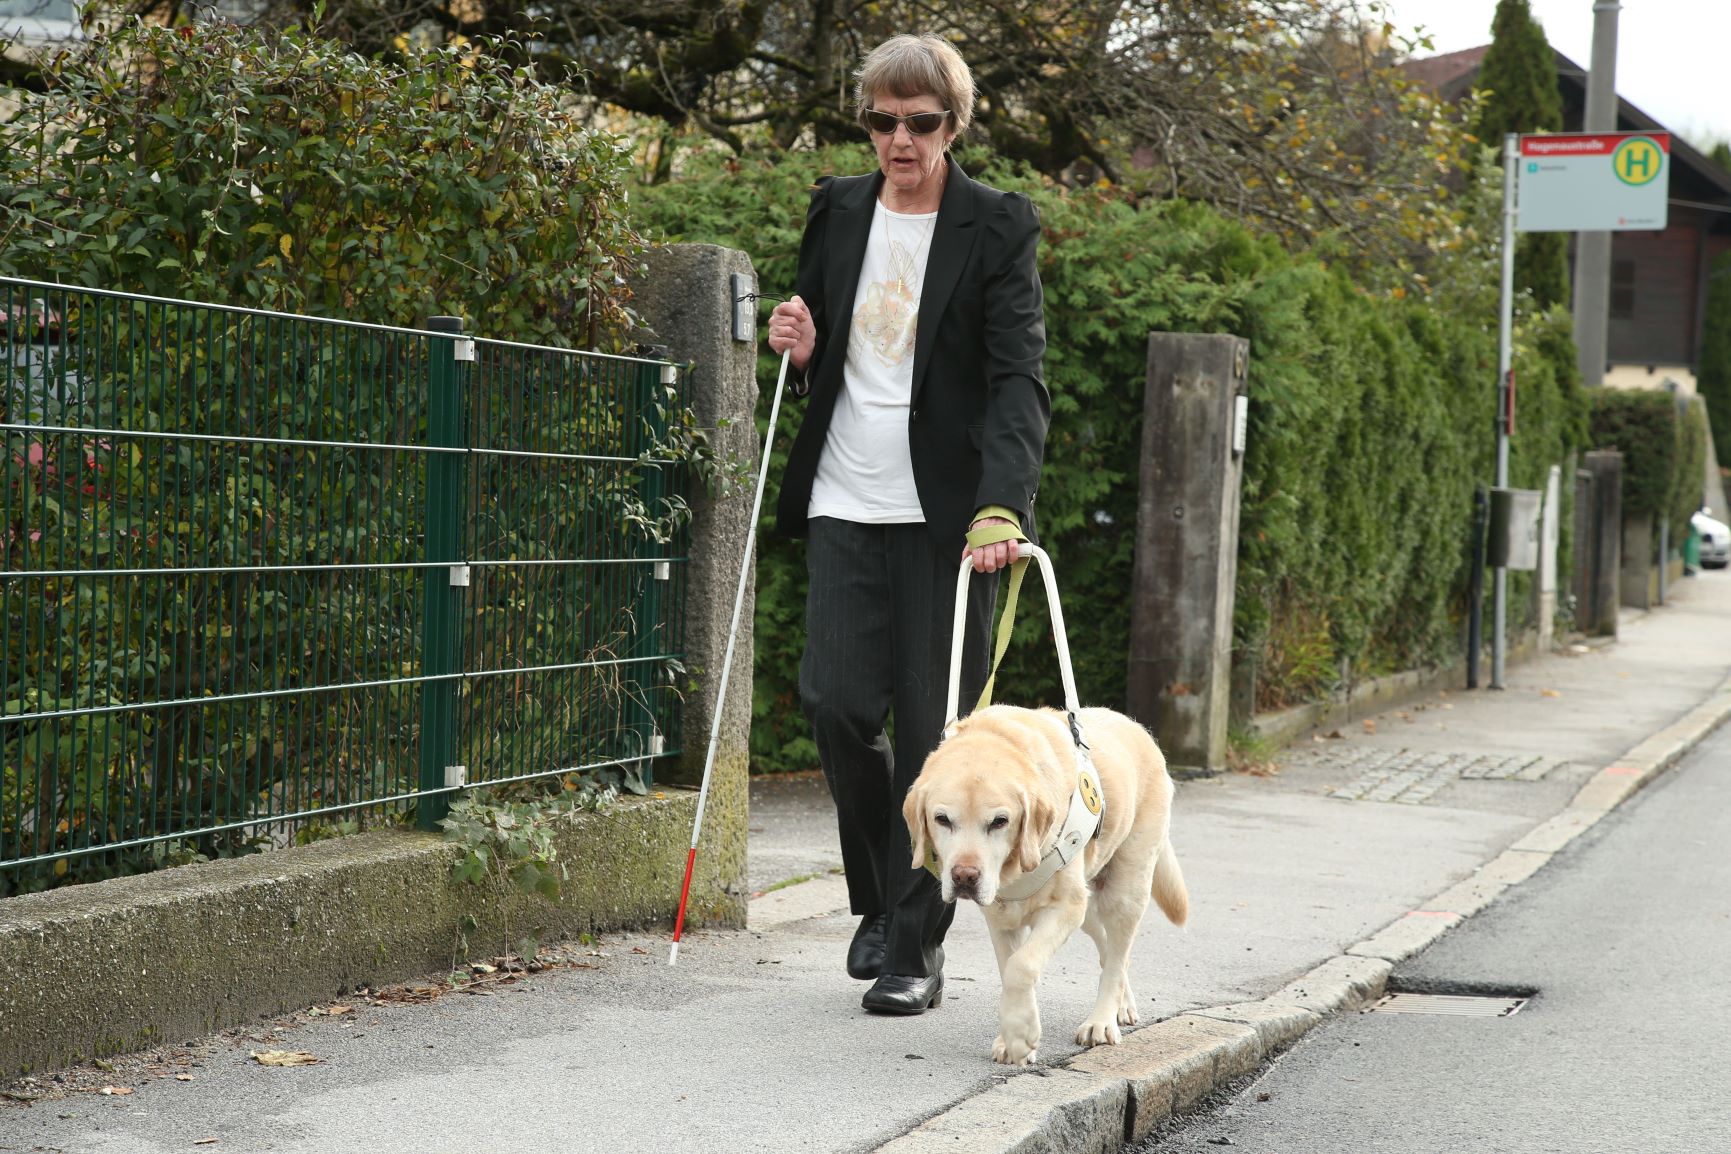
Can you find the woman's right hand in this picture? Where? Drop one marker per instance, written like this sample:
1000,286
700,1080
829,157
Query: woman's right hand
791,327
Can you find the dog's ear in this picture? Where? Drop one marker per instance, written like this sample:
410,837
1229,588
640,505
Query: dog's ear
1038,815
914,813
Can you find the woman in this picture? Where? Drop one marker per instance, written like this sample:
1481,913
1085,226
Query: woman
918,333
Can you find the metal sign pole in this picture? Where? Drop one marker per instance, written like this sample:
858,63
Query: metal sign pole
1505,359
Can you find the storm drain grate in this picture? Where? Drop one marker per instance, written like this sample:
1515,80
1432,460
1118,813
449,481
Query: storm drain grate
1455,1005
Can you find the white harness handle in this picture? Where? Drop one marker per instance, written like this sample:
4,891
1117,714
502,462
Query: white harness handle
951,701
1082,820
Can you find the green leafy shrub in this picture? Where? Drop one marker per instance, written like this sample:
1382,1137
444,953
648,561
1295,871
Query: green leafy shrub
1370,425
1642,425
1715,375
1690,478
281,170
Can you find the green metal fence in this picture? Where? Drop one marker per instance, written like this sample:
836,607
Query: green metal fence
260,572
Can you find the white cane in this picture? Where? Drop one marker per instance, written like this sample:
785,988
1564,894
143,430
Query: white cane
727,662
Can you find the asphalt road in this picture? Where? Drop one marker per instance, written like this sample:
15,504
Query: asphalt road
1627,937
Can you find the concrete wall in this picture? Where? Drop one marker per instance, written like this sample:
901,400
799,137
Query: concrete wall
120,965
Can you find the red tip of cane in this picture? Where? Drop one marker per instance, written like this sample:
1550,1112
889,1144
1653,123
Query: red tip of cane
685,893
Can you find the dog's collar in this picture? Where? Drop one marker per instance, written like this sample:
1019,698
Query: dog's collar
1081,825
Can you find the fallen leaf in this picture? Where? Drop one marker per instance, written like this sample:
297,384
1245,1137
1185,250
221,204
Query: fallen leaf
183,1077
340,1010
1369,726
205,1141
1549,693
1404,716
484,968
283,1058
1335,735
638,950
116,1091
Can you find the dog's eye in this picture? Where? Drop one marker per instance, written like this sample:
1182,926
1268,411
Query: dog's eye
942,820
999,822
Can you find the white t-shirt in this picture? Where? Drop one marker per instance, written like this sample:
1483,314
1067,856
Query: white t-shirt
866,473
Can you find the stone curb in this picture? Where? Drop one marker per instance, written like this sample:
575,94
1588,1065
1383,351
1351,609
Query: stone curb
1113,1095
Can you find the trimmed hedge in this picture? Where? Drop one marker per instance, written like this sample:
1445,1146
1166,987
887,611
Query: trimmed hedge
1371,423
1714,380
1663,439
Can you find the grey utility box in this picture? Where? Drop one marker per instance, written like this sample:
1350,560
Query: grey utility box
1514,540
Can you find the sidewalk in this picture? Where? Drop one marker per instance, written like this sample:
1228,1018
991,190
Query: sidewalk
757,1042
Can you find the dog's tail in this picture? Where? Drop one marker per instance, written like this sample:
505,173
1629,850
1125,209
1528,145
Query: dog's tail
1169,892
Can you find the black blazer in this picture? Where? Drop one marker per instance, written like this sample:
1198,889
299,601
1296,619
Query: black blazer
977,424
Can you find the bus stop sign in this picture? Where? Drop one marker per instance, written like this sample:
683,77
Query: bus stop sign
1593,182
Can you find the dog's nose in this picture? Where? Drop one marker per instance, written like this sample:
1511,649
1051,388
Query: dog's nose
966,877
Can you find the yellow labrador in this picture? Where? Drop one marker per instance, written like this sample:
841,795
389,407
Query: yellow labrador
988,805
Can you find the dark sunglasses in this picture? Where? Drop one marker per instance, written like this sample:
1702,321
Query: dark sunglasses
919,123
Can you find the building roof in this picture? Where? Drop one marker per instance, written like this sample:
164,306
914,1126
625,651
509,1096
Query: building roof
1696,179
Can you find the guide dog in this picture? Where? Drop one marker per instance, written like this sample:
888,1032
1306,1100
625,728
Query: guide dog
988,807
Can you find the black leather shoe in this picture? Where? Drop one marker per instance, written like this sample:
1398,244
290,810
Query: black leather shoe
865,954
904,994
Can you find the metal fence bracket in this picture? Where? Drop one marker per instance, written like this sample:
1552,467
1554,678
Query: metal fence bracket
465,350
459,576
456,776
664,570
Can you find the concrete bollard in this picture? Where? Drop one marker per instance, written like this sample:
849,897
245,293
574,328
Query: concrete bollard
685,298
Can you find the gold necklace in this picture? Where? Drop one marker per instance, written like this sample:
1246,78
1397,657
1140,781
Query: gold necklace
909,257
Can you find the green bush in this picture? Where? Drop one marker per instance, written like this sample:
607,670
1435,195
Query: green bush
1642,425
1663,439
1370,425
1690,477
283,171
1715,376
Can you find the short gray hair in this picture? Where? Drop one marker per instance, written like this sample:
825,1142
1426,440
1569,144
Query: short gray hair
910,66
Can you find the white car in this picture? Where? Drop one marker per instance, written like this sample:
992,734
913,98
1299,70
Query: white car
1715,541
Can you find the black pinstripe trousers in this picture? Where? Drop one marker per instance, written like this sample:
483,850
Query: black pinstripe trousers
879,606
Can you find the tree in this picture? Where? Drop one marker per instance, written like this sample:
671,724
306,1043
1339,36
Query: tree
1714,381
1518,87
1720,154
1291,112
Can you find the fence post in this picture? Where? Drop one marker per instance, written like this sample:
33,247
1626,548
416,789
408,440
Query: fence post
648,632
1185,572
441,598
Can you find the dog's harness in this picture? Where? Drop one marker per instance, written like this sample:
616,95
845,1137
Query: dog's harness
1082,821
1081,825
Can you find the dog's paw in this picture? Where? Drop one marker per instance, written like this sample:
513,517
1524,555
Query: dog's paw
1013,1054
1098,1034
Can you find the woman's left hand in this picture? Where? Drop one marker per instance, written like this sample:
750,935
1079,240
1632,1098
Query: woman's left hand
999,555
